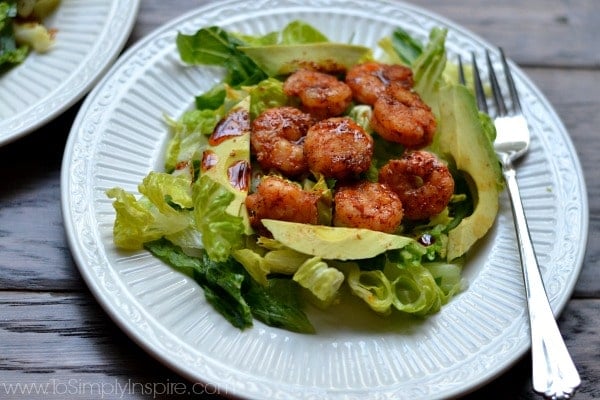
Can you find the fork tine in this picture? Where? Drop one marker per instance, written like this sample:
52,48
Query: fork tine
461,71
496,92
479,93
512,88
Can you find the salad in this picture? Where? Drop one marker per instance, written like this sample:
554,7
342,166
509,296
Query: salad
22,29
235,223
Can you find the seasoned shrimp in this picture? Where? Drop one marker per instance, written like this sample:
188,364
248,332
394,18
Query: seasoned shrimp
321,95
368,205
423,183
401,116
369,80
277,139
338,148
278,198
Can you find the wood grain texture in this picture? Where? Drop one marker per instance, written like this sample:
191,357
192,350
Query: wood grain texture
53,332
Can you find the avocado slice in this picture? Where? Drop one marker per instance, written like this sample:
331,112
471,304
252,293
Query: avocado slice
462,140
329,242
226,159
276,60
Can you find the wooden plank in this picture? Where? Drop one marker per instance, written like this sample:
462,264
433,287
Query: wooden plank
66,341
536,32
64,344
576,101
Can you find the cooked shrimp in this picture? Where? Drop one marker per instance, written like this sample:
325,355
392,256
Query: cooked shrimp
277,139
423,183
400,116
338,148
278,198
367,205
321,95
369,80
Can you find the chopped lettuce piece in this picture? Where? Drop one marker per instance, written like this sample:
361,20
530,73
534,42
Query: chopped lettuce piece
34,35
221,231
371,286
221,281
141,220
230,291
400,47
215,46
298,32
189,137
428,68
277,305
320,279
267,94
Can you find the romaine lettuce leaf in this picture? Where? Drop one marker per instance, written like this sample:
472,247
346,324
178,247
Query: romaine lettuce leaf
215,46
149,218
400,47
267,94
429,67
229,289
373,287
221,231
221,281
320,279
278,305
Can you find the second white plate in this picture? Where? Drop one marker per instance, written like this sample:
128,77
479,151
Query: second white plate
89,36
119,136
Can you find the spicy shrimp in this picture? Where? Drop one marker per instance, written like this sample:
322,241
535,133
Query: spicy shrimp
281,199
422,181
369,80
401,116
277,139
338,148
369,205
321,95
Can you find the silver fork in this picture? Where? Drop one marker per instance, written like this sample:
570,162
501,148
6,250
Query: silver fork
554,374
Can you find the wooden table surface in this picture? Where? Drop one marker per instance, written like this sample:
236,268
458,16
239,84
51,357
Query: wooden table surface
53,332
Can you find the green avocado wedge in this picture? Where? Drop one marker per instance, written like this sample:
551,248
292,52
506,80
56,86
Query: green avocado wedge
277,60
227,158
462,139
329,242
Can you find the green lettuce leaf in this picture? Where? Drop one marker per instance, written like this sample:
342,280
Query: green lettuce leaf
229,289
277,305
221,231
299,32
221,281
160,211
320,279
267,94
400,47
429,66
215,46
188,137
373,287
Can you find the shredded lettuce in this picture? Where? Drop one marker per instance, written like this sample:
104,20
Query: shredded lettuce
182,218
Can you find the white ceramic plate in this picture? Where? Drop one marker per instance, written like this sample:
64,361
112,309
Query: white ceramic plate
89,36
119,136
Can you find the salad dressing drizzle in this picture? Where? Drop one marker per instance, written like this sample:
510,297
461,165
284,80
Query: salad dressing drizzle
236,123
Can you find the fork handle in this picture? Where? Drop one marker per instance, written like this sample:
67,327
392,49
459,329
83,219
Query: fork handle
554,373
